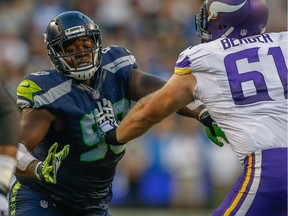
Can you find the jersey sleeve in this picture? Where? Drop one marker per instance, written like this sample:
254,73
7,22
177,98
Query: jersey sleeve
42,89
120,62
193,59
132,57
115,58
183,64
26,91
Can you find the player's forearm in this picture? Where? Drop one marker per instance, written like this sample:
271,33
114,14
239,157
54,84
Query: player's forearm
26,163
29,172
147,112
136,123
191,113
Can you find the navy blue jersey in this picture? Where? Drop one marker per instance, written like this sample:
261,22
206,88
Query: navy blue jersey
85,176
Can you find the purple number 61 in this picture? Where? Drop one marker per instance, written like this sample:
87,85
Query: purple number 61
235,78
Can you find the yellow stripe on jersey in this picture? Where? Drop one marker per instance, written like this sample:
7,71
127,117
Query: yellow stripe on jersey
182,71
27,88
243,189
13,196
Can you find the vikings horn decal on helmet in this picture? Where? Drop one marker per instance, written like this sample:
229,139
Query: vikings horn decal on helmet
231,18
69,26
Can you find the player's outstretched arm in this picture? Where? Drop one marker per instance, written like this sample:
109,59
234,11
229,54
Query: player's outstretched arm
143,84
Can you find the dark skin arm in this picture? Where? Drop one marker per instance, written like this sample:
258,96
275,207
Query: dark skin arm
29,172
142,84
34,126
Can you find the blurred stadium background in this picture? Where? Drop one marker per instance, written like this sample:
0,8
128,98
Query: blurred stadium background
173,170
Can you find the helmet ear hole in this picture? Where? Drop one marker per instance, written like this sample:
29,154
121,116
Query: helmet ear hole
221,26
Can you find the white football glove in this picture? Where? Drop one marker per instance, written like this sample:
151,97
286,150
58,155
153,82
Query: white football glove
105,117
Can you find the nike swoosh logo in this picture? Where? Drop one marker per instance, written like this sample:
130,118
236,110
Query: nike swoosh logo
25,85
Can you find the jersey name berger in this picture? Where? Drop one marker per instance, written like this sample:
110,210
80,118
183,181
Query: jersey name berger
233,42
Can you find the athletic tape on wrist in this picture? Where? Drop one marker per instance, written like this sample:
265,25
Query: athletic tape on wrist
195,104
24,158
7,169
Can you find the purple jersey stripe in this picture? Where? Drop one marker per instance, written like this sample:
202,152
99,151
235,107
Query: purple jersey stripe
183,66
184,63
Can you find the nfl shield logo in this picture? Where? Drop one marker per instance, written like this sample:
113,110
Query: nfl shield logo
43,203
96,94
243,32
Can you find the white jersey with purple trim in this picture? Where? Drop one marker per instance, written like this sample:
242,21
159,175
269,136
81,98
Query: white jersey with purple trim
243,83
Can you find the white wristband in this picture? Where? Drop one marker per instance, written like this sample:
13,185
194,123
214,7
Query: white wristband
36,170
7,169
194,105
201,113
24,158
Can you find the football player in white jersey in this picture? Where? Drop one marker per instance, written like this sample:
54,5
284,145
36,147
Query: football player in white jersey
240,74
9,134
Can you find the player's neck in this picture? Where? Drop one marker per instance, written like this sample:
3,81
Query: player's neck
87,82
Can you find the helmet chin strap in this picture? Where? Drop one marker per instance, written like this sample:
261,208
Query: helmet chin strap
84,73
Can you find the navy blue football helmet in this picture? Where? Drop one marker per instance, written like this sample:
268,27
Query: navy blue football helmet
231,18
66,27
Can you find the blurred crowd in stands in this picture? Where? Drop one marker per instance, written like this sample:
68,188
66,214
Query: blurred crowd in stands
174,164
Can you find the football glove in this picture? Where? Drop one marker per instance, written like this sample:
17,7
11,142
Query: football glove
213,131
105,117
47,170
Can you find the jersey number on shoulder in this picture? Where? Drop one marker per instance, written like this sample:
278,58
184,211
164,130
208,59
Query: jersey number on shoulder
253,86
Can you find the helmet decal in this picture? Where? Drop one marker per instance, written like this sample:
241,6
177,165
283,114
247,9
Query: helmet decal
231,18
217,7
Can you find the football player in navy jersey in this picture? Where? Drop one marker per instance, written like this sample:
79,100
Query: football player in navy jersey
63,106
9,135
